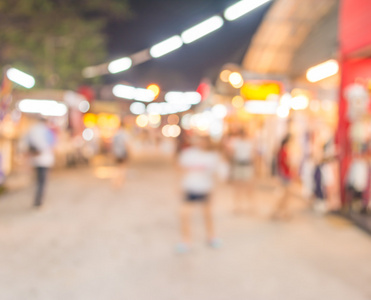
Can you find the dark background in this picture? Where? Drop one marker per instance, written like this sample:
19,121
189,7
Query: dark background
154,21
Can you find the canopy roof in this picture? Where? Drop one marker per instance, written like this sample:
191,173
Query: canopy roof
284,29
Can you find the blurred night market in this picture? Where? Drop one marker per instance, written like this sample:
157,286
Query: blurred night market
185,149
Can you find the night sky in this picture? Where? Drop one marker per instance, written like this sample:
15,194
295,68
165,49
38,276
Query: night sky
156,20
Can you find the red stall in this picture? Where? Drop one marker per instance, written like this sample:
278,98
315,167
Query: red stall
354,105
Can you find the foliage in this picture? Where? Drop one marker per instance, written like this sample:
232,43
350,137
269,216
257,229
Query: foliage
55,39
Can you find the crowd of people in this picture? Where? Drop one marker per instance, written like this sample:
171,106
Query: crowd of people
235,159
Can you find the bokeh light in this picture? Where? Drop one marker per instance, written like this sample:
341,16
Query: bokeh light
224,75
283,112
174,131
285,100
219,111
137,108
236,79
186,121
88,134
173,119
171,131
154,119
84,106
238,102
142,120
299,102
155,89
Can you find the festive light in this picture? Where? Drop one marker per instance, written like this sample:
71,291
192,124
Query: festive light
43,107
171,131
261,107
190,98
219,111
154,119
236,79
204,28
84,106
142,121
283,112
186,121
286,100
238,102
120,65
88,134
144,95
173,119
20,78
132,93
164,108
124,91
155,89
166,46
216,128
299,102
137,108
224,75
241,8
323,70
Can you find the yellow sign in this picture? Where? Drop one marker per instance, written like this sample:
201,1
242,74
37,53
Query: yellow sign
108,121
102,120
260,90
90,120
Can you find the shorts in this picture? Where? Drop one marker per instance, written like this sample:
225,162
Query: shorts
193,197
242,171
121,159
285,180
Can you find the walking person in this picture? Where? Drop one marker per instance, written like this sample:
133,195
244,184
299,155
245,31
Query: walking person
242,149
284,173
199,166
40,140
120,152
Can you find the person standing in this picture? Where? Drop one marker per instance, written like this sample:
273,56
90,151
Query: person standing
120,152
199,166
40,140
284,173
242,169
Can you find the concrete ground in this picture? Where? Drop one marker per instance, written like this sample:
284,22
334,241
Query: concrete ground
91,241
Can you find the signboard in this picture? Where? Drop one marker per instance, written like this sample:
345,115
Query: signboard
260,89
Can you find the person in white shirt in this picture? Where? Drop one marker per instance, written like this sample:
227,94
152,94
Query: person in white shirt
120,149
40,140
242,154
199,165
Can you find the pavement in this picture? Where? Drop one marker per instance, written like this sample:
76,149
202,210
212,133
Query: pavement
92,241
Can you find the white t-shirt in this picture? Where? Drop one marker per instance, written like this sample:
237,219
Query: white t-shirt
307,177
119,145
41,137
242,150
328,175
358,174
200,167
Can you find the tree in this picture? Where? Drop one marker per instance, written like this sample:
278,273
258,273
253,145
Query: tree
55,39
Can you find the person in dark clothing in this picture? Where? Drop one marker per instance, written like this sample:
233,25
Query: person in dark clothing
40,140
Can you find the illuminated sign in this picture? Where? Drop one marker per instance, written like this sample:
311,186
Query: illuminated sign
102,120
260,89
90,120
